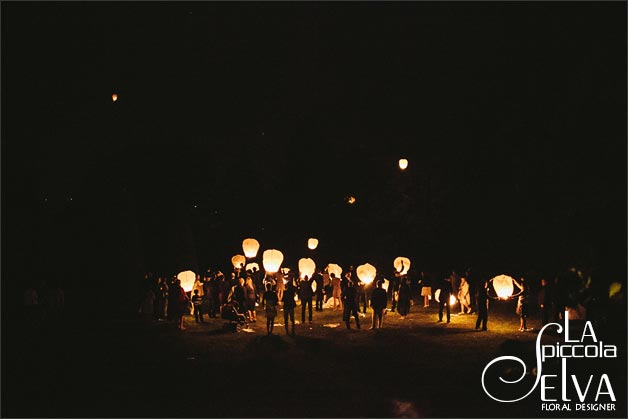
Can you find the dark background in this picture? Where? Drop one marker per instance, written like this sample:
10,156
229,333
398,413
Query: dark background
257,120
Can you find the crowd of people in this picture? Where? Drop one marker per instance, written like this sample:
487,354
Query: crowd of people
251,290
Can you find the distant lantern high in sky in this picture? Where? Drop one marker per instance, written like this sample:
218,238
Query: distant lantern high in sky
114,97
403,164
250,247
312,244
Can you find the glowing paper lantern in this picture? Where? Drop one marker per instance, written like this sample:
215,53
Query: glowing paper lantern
613,289
307,267
351,200
285,271
250,266
398,262
250,247
272,260
366,273
114,97
238,260
386,284
452,298
332,268
503,285
187,279
312,244
403,164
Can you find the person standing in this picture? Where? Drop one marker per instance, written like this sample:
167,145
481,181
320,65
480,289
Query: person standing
305,295
239,296
463,296
403,305
162,299
336,292
269,302
379,301
350,304
197,303
482,300
251,298
545,302
289,304
522,306
445,293
426,289
180,300
320,291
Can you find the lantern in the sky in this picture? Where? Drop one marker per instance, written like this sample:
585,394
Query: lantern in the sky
114,97
503,285
366,273
306,267
402,265
351,200
187,279
272,260
250,247
238,260
332,268
250,266
403,164
312,244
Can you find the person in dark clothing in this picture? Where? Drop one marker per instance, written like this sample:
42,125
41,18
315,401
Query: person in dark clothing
482,306
379,301
269,302
197,302
393,288
305,295
162,299
361,295
403,305
289,304
239,295
445,293
318,278
545,302
522,305
350,304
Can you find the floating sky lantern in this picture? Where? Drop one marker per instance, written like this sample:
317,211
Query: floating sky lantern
114,97
250,247
306,267
503,285
402,265
187,279
403,164
272,260
351,200
614,289
332,268
366,273
312,244
238,260
250,266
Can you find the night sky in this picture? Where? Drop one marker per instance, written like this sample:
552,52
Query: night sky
257,120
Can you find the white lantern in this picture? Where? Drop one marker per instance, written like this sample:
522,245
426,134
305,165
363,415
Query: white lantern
386,284
402,265
503,285
187,279
306,267
250,247
312,244
238,260
332,268
272,260
403,164
114,97
366,273
285,271
250,266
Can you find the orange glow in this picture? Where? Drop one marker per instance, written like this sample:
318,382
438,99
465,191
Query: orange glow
351,200
398,262
503,285
114,97
306,267
187,279
272,260
238,260
250,247
403,164
366,273
312,244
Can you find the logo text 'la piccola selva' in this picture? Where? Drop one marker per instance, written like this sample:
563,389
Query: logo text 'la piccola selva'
569,349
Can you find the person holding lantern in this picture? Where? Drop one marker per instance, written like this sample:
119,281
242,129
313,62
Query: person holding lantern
320,291
269,302
180,304
522,305
445,293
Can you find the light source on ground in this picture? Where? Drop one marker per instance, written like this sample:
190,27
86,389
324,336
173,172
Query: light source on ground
187,279
366,273
238,260
332,268
272,259
402,265
503,286
250,247
403,164
312,243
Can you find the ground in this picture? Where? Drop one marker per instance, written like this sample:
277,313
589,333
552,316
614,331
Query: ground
127,368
